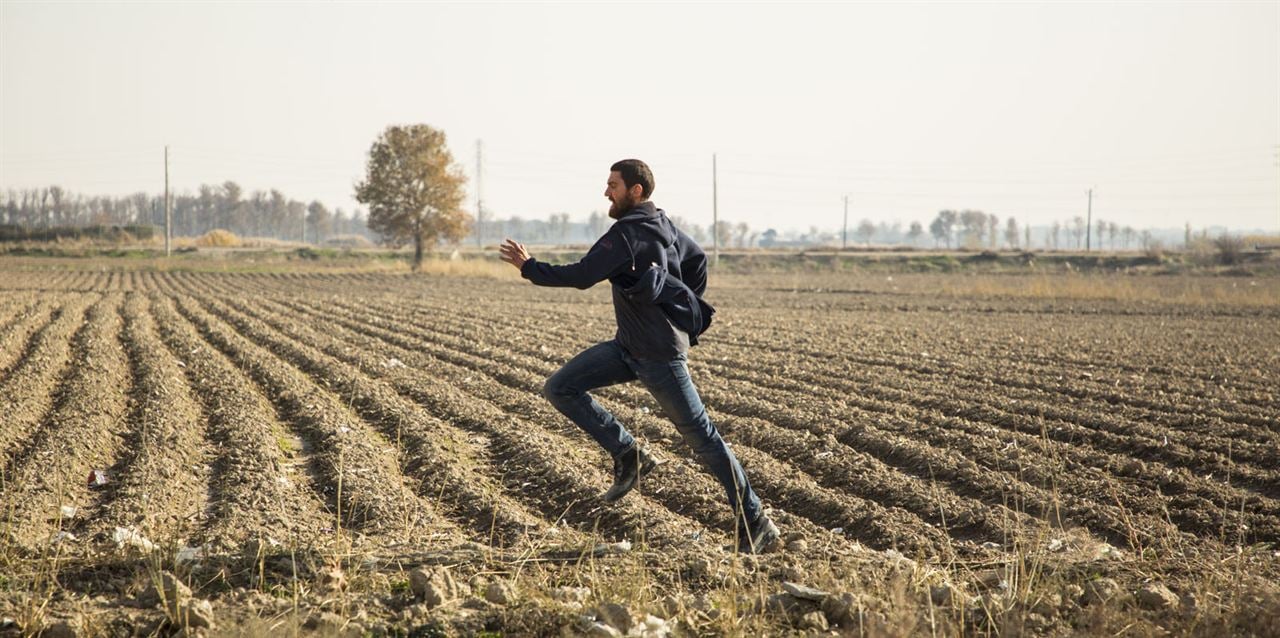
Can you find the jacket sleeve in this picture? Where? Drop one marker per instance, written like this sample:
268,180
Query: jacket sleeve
608,257
693,265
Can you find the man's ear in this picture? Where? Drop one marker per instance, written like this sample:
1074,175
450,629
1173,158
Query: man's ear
636,191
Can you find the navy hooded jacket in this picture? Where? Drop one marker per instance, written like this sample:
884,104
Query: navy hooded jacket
639,241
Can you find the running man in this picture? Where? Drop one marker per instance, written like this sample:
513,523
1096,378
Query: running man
648,346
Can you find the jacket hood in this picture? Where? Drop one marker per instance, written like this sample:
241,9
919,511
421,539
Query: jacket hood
646,216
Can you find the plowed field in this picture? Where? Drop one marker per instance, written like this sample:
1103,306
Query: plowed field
293,446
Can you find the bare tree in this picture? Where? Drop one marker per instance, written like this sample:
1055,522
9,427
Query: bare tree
1011,232
1077,230
865,231
915,232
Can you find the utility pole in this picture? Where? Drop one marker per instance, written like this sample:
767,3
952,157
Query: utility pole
168,214
715,216
479,197
844,234
1088,230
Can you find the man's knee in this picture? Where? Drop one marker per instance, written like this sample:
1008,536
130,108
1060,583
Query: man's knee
555,390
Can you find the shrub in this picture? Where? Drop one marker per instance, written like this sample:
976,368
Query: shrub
348,241
1229,249
218,238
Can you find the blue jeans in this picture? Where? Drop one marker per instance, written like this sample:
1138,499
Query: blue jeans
608,363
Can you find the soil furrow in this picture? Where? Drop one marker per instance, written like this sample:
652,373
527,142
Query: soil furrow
552,473
360,467
878,526
161,485
450,467
850,473
35,383
1193,493
1189,495
19,338
82,433
989,488
261,482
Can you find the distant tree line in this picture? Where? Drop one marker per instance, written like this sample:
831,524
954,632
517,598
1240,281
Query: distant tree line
975,229
268,214
558,228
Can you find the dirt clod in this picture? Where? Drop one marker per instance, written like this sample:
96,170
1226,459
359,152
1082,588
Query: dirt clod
1100,590
1157,596
60,629
615,615
500,593
805,592
434,587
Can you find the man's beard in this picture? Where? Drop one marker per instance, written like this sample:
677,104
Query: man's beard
620,207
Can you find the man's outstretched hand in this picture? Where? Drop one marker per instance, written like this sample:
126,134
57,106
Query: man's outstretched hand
513,253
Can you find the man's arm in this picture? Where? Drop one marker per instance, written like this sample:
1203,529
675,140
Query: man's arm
605,259
693,264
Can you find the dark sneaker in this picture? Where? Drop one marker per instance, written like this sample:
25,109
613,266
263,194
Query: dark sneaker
628,468
758,536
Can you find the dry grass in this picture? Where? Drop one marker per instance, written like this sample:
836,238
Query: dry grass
1181,290
217,238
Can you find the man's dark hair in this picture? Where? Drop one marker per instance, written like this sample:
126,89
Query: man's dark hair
634,171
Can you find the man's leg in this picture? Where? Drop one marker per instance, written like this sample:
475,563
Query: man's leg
596,367
669,383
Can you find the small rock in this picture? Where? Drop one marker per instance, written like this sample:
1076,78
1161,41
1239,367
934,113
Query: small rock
434,587
699,568
1037,623
1073,592
188,554
616,616
787,606
899,562
334,579
814,620
167,592
1190,603
1105,551
612,549
792,573
1133,468
651,627
196,613
840,610
500,593
941,595
569,594
672,606
325,620
1100,590
798,546
257,548
1157,596
60,629
601,630
1049,605
805,593
992,579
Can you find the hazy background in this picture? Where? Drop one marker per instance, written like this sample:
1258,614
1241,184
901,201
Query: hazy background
1170,111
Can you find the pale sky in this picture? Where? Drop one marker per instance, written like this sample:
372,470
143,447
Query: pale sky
1169,111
